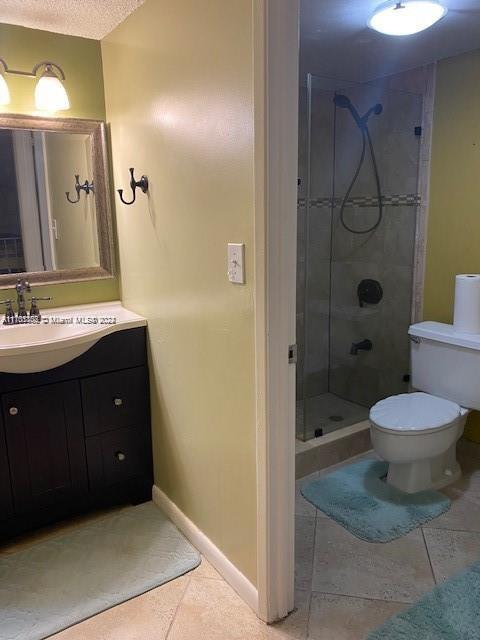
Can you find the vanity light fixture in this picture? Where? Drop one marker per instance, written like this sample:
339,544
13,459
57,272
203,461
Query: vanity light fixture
50,94
406,17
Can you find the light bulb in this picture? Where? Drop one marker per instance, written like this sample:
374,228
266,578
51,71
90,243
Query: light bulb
407,17
50,94
4,91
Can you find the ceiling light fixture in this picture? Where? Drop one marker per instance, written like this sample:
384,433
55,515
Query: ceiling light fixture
50,94
407,17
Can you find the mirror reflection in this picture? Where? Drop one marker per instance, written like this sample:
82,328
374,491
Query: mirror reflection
41,227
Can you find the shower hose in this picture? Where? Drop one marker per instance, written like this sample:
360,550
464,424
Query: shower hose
365,138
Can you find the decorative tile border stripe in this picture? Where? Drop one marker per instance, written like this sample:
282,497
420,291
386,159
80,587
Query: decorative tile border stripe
397,200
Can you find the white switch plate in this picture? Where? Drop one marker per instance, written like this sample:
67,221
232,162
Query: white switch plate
236,263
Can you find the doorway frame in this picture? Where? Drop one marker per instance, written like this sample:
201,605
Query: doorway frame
276,61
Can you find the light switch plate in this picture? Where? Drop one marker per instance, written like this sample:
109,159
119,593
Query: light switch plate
236,262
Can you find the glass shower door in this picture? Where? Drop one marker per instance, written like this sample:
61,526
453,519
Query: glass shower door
354,289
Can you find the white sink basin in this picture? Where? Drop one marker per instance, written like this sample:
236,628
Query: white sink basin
62,335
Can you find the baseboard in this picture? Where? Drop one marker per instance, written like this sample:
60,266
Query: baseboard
235,578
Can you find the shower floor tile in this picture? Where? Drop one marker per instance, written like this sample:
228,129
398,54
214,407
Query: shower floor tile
328,412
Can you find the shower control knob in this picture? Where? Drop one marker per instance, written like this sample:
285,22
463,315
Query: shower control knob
369,291
13,411
117,402
120,456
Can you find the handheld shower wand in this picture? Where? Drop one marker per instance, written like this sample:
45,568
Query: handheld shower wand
343,102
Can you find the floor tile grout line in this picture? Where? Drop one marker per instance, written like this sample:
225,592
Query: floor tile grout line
174,617
309,612
310,591
428,556
370,598
477,531
313,551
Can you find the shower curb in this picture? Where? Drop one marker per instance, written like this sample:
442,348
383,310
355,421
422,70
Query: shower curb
331,449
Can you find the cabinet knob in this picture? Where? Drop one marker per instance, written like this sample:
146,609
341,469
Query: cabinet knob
120,456
117,402
13,411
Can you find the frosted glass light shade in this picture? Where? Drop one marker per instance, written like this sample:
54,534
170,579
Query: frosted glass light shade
4,91
50,94
407,17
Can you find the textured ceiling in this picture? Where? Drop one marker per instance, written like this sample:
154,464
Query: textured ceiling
336,42
87,18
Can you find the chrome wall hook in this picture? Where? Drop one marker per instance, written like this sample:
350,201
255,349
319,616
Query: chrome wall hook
86,186
141,184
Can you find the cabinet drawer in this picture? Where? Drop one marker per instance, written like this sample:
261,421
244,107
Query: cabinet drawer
117,456
115,400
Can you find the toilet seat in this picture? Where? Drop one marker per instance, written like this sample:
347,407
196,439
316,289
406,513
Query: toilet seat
414,413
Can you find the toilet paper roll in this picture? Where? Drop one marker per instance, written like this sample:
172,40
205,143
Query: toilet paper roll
466,315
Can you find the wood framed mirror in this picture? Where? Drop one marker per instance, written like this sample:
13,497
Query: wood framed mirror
55,208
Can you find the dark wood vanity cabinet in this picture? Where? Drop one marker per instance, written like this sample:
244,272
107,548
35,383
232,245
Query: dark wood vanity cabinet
6,504
45,445
76,437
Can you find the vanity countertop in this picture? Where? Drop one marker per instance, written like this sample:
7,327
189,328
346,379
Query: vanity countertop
63,333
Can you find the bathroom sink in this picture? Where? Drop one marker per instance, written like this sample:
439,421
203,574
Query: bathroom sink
62,334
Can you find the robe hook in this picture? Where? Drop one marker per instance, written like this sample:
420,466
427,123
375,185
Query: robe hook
86,186
141,184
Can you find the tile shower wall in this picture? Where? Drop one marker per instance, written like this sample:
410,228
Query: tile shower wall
338,260
385,255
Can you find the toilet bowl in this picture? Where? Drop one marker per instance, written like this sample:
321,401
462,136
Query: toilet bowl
416,434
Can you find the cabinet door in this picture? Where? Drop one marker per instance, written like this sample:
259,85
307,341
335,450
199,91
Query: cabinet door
6,508
46,445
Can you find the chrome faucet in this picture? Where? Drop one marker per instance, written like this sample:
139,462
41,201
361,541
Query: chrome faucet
21,288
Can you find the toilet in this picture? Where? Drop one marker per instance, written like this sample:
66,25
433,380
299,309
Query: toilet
417,433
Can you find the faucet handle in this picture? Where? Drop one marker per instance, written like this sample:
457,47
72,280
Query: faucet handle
34,310
9,312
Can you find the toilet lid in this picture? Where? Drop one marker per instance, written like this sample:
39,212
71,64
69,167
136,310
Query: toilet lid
414,412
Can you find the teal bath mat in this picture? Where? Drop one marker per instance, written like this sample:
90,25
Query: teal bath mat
358,498
450,612
57,583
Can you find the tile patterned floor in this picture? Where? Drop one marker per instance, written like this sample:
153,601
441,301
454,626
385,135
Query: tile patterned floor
354,586
345,587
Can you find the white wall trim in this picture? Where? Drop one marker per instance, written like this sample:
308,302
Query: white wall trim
212,553
276,45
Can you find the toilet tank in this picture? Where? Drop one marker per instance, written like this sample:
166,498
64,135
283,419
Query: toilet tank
446,363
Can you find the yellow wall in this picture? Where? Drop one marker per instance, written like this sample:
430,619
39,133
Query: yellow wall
454,220
81,61
77,243
179,97
454,215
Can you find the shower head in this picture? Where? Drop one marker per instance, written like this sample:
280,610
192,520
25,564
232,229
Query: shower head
343,102
376,110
